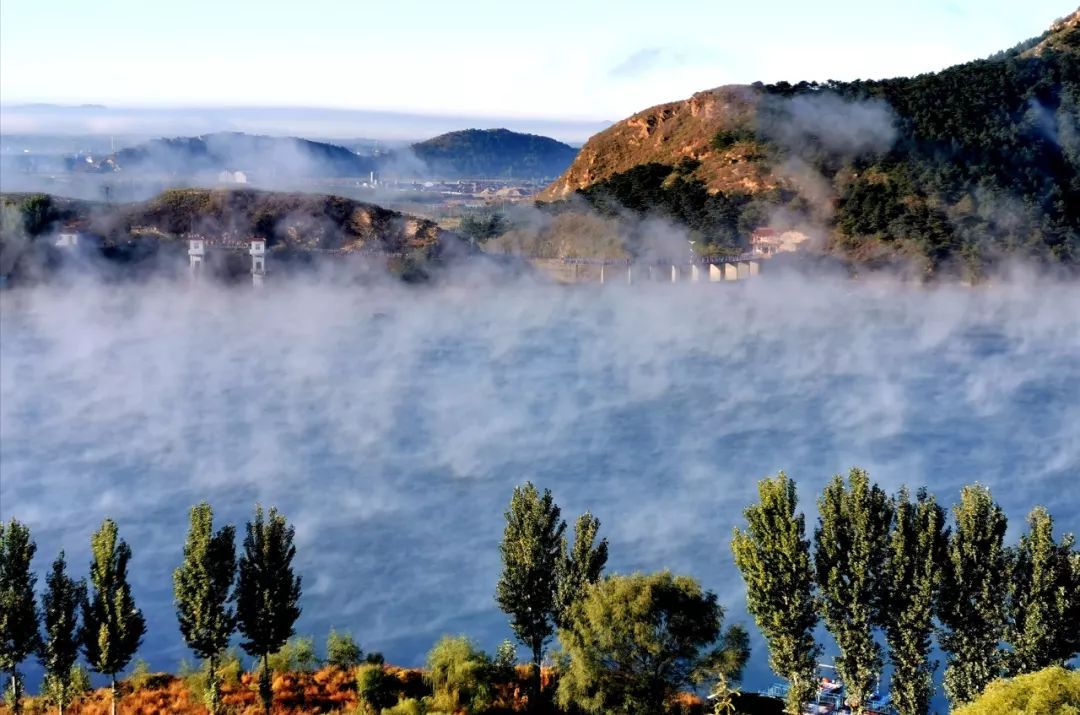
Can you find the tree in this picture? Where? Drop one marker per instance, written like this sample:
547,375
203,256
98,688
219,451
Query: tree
916,553
60,647
267,592
531,547
971,603
342,651
202,586
634,641
1045,589
18,609
851,544
112,627
774,558
579,566
1052,690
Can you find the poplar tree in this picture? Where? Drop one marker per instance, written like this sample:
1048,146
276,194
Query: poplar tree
774,558
202,586
913,575
60,613
531,547
579,566
1044,626
971,603
112,627
851,544
18,608
267,592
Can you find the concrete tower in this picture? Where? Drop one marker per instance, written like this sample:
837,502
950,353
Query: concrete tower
196,252
258,261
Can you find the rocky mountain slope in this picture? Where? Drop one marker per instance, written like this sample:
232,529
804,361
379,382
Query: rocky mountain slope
955,169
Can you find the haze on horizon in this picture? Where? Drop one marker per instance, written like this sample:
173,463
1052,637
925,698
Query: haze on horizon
580,63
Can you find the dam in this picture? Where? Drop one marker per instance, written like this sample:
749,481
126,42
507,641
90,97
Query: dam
629,271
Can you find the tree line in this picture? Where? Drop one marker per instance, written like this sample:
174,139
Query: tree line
877,568
100,618
896,567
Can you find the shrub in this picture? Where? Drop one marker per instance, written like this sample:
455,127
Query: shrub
459,675
297,655
375,688
408,706
1051,690
342,651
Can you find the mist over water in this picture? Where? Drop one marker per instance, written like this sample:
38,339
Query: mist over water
391,425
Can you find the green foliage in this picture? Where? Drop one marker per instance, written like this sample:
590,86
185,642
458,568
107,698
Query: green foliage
407,706
376,689
579,566
140,675
60,647
503,665
342,651
1044,603
267,591
531,549
971,603
1052,690
727,138
18,609
482,227
774,558
61,691
296,656
459,674
38,213
112,627
202,585
916,552
634,641
198,681
850,546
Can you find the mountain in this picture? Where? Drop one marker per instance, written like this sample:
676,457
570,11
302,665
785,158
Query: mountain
261,156
493,153
954,169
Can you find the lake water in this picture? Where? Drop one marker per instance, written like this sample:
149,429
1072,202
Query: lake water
391,425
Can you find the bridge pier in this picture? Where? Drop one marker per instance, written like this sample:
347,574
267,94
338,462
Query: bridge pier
196,254
731,273
258,261
742,270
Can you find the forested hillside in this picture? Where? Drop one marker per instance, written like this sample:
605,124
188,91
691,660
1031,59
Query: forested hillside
493,153
955,169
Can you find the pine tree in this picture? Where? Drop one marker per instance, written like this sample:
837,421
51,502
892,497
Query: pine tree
913,575
971,603
526,591
112,627
851,543
267,592
579,566
18,609
202,587
60,613
1043,629
774,558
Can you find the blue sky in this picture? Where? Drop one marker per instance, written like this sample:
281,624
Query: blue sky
582,59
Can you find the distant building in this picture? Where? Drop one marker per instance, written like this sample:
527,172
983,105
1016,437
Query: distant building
767,242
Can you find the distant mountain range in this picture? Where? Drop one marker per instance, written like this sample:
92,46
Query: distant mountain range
472,153
954,169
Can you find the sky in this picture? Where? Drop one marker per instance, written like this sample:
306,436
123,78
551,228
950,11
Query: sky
566,59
